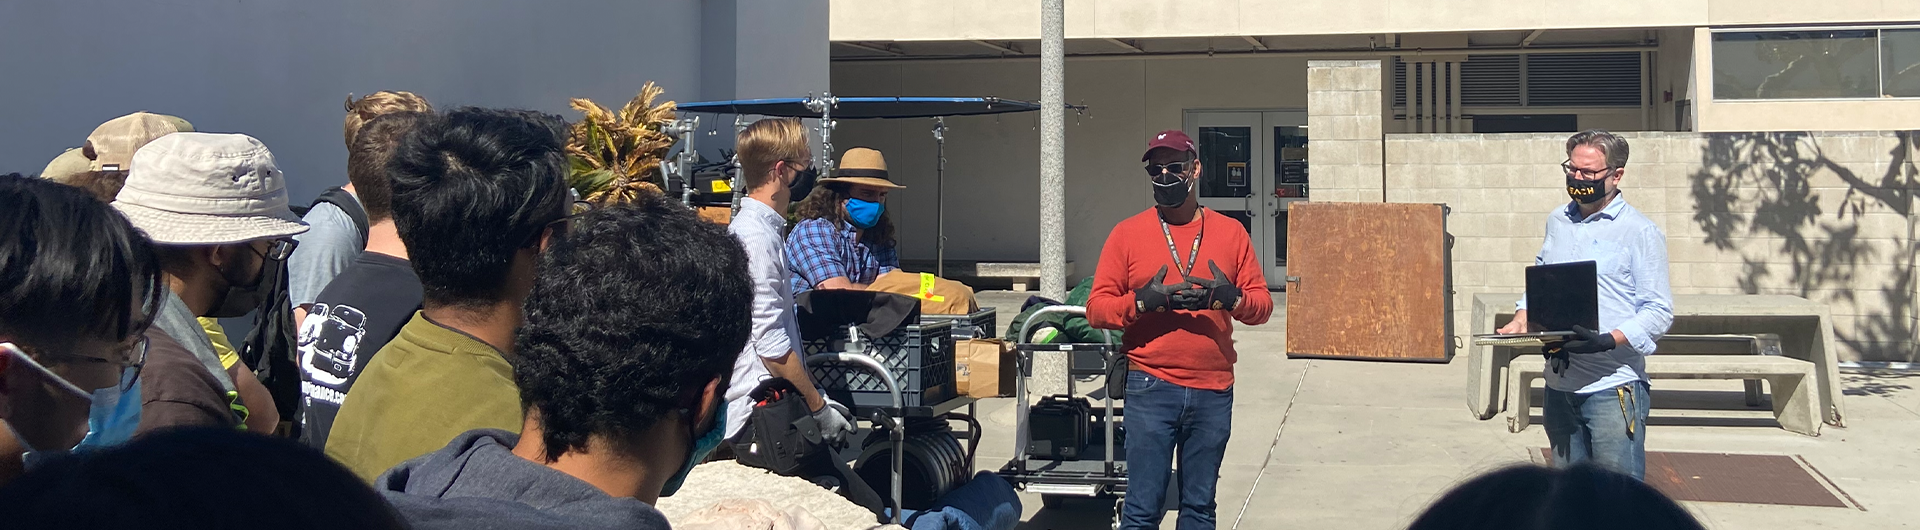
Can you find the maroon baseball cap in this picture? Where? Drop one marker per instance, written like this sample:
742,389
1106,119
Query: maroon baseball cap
1171,139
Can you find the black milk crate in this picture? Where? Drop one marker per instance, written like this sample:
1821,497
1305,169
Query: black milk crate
978,325
920,356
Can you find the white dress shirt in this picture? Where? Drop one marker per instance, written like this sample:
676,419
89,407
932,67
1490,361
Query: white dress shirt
775,333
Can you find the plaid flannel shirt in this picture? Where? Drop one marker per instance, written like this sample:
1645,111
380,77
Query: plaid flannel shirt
818,250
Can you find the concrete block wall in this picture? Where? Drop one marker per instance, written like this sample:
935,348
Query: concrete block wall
1343,113
1825,216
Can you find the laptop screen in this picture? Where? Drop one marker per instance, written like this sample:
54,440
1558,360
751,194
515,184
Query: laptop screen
1562,295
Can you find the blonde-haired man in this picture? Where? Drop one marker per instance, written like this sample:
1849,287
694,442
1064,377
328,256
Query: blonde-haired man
773,156
340,225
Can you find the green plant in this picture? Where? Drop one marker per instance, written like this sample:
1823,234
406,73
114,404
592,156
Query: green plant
616,157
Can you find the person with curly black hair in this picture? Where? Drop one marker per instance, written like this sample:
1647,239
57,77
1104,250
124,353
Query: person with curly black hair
629,342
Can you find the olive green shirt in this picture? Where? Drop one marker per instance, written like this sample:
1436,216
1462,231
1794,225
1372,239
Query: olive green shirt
427,386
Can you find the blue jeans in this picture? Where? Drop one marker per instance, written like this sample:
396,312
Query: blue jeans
1596,429
1162,417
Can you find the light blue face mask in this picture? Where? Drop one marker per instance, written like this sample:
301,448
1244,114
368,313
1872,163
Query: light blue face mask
864,214
113,416
702,446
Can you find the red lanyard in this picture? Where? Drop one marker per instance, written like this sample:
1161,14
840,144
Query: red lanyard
1193,254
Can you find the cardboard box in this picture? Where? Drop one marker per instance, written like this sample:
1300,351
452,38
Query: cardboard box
984,368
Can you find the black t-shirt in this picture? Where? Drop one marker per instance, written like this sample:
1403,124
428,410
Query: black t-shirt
352,318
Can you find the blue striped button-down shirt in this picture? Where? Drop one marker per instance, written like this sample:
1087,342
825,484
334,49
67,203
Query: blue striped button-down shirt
818,250
1631,257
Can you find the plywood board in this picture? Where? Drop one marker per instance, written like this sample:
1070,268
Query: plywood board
1367,281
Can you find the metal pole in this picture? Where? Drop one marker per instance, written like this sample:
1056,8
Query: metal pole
1050,371
1053,149
940,197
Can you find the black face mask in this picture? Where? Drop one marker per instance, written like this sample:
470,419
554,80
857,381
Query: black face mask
1171,194
1586,191
802,183
240,299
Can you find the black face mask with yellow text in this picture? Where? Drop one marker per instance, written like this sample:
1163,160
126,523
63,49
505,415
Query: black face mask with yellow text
1586,191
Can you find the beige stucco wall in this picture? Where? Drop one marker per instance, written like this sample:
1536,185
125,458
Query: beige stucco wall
1343,118
909,20
1826,216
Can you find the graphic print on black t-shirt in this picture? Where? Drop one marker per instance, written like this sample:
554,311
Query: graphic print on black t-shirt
329,346
356,315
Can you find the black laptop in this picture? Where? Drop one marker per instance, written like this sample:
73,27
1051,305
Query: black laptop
1559,297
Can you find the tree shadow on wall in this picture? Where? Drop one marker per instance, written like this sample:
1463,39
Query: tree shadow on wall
1769,174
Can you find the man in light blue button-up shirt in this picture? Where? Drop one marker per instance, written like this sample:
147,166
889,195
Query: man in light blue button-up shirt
1597,391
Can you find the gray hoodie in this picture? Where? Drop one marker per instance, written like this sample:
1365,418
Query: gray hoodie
477,483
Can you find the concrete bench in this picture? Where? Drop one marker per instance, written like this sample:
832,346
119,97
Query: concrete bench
1804,329
1024,274
1792,382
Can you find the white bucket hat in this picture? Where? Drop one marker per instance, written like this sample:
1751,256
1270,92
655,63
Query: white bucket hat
207,189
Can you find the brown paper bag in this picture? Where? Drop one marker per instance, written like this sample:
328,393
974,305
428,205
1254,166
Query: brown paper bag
983,368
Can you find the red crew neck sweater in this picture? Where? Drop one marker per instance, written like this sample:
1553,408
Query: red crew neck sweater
1193,349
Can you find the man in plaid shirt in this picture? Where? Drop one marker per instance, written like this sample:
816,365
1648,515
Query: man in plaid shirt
844,239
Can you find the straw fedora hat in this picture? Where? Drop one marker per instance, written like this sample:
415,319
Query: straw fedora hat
862,166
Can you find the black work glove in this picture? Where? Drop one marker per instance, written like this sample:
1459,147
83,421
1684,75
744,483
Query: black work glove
1588,341
1159,297
1221,293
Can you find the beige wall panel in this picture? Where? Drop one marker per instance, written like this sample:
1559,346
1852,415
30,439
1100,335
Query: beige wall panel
1155,18
1838,115
1725,12
1285,17
1562,13
854,20
860,20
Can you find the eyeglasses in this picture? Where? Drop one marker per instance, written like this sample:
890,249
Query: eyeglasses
1175,168
560,226
280,250
133,355
1583,174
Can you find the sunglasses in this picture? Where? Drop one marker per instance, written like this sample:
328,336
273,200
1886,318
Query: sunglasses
1174,168
280,250
565,222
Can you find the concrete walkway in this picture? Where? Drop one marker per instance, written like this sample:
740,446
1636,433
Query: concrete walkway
1353,444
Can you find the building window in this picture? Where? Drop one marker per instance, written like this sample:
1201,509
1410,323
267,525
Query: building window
1900,62
1816,64
1607,79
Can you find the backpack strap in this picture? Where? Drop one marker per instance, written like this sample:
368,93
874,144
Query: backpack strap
347,203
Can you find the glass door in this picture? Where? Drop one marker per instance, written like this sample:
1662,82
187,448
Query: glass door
1254,166
1286,145
1230,160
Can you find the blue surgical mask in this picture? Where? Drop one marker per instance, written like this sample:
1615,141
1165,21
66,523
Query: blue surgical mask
114,415
702,446
112,418
864,214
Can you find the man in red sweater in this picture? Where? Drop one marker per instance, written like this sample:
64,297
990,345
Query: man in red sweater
1179,335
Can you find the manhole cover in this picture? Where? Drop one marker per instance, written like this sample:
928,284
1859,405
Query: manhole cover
1726,477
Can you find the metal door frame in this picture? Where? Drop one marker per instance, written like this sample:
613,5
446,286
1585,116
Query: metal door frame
1262,202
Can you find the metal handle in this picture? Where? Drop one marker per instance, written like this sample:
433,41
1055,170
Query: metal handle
897,435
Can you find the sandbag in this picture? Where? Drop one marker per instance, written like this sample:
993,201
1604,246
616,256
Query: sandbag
938,296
